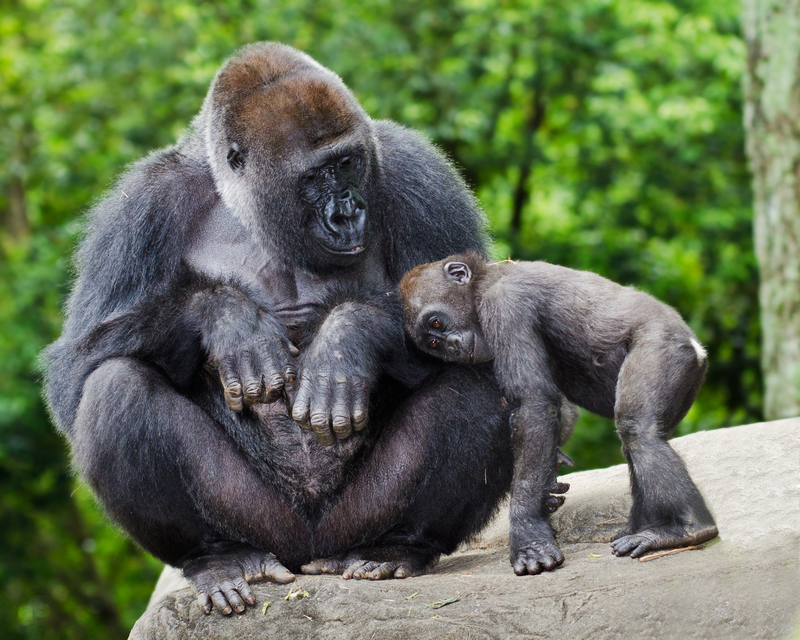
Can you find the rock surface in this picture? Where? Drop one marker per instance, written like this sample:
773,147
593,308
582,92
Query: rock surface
745,584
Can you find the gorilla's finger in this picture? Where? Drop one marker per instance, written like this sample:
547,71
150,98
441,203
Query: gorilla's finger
360,412
251,380
290,382
340,414
276,572
319,417
230,593
272,374
301,403
231,384
563,459
351,570
220,601
204,600
244,590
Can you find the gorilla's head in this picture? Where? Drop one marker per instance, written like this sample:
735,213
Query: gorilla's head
439,304
293,154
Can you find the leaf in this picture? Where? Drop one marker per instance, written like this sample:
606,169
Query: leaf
444,603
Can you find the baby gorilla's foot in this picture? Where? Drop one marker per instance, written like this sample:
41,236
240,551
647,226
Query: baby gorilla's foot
533,548
536,556
374,563
222,577
638,543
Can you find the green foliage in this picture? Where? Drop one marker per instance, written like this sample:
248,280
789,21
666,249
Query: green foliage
601,134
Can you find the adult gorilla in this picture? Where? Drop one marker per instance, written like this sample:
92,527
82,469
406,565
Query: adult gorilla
251,265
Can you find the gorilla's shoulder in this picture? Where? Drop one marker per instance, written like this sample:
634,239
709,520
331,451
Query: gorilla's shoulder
170,184
428,209
399,145
135,235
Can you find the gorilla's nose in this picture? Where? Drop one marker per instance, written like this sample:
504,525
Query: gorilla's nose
347,215
454,344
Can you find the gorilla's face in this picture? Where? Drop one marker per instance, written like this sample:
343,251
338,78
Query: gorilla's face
439,307
336,211
294,158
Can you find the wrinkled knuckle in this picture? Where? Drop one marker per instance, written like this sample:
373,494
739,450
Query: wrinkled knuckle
319,420
234,389
252,391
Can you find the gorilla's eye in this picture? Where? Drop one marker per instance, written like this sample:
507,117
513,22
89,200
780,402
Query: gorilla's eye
433,343
435,323
235,158
343,162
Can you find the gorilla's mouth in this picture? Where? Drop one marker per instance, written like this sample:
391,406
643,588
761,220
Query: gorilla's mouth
346,251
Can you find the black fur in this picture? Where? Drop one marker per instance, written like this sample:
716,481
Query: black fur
242,277
611,349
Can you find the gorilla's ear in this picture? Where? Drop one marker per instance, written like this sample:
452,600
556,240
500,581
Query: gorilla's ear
458,272
235,158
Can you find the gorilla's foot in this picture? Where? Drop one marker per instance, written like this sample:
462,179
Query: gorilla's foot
374,563
563,459
222,577
552,502
535,556
638,543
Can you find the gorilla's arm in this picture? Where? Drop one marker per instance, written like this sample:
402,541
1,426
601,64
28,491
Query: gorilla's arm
131,253
136,297
523,372
178,331
358,336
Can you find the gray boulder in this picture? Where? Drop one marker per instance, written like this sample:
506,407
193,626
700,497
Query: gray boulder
745,584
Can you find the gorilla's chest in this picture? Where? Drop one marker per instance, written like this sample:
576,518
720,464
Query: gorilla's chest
222,249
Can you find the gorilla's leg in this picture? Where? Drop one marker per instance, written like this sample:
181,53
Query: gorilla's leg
433,479
170,476
657,385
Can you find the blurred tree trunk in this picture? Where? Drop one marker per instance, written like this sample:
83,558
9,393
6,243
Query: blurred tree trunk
772,121
14,218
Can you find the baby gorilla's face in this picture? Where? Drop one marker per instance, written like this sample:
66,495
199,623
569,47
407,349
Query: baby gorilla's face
440,314
438,333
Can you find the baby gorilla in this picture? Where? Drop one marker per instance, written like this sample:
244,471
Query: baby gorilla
555,332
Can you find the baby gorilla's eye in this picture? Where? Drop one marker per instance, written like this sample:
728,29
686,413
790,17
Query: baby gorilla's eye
435,323
433,343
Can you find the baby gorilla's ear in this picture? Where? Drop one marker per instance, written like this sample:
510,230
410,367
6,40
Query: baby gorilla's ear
458,272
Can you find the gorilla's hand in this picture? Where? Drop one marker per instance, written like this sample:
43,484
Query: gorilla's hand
248,345
337,373
258,371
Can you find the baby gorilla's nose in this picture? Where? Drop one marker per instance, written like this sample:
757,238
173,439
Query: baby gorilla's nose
455,345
